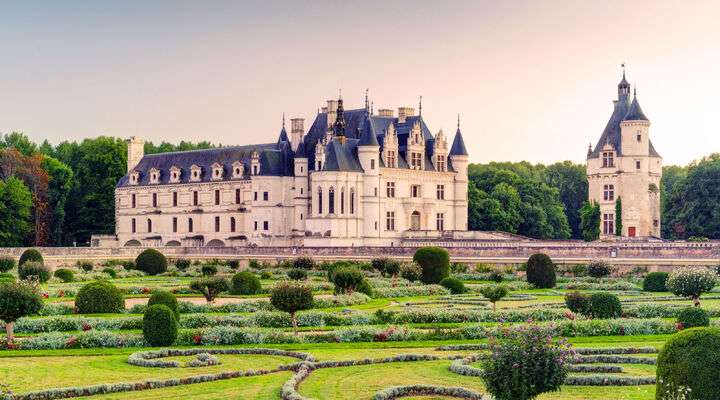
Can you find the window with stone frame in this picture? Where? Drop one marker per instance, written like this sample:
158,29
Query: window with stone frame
190,225
416,160
320,200
196,200
352,201
342,201
174,199
133,200
608,159
195,173
154,175
154,200
440,222
390,221
331,200
217,224
608,224
416,191
134,178
440,192
441,163
174,224
390,190
133,225
217,173
390,159
609,192
217,197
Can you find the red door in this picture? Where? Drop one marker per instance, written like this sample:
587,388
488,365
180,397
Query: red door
631,231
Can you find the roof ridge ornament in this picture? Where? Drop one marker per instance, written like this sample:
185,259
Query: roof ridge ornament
420,106
367,104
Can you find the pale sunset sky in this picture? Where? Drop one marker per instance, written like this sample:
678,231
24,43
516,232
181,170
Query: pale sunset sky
532,80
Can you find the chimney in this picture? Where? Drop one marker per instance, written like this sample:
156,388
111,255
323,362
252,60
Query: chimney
297,130
136,151
386,112
332,106
404,112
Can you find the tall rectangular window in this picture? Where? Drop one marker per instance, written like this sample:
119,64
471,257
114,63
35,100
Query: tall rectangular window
232,224
266,225
320,200
175,199
134,225
255,196
372,163
190,225
195,198
256,225
237,196
441,164
342,201
266,196
609,192
390,221
440,222
415,191
608,158
217,224
149,225
440,192
609,224
217,197
416,161
390,159
133,200
174,224
352,201
390,190
154,199
637,164
331,201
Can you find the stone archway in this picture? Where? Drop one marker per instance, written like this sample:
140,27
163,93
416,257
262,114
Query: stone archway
415,219
215,243
172,243
133,243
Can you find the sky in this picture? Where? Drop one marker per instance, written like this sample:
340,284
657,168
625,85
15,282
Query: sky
531,80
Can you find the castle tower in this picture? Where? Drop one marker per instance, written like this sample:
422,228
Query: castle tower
136,151
624,171
459,161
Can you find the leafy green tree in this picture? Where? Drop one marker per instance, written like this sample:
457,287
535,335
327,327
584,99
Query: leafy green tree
60,184
17,300
618,217
590,221
673,177
571,182
15,212
19,141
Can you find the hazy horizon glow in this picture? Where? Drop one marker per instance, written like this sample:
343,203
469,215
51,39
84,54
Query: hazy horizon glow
533,80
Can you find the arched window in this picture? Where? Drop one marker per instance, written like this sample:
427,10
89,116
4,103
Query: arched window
232,224
352,201
415,221
342,201
320,200
331,200
149,224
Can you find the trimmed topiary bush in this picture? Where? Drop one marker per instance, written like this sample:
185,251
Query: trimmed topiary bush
291,298
693,317
541,271
151,261
99,297
410,271
84,265
208,270
690,360
306,263
30,255
6,264
655,282
210,287
605,305
297,274
599,269
454,285
494,293
579,303
110,272
34,270
17,300
245,283
167,299
691,282
182,264
160,327
347,279
392,268
64,275
434,262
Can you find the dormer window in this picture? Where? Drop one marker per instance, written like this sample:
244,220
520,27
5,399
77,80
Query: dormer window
390,159
441,164
195,173
217,171
174,174
238,170
154,175
608,159
416,161
134,178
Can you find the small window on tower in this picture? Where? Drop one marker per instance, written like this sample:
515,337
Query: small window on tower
637,164
639,137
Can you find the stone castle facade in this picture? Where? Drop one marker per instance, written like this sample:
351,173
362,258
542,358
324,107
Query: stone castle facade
355,178
624,167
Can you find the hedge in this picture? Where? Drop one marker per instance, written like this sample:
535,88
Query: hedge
30,255
151,261
541,271
99,297
159,325
435,264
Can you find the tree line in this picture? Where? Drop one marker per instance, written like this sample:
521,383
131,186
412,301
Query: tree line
59,195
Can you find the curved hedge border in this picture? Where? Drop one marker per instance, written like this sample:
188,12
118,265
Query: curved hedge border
608,380
151,358
397,392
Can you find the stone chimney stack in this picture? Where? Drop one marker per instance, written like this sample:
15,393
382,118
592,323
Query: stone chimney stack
297,130
332,106
404,112
385,112
136,151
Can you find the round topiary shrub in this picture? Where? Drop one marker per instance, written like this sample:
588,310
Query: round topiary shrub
210,287
34,270
304,263
579,303
541,271
691,282
167,299
30,255
347,279
64,275
291,298
6,264
151,261
605,305
160,327
182,264
434,262
494,293
84,265
110,272
410,271
655,282
245,283
690,359
599,269
297,274
454,285
99,297
17,300
693,317
208,270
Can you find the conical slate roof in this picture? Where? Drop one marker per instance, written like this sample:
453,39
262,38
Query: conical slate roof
635,113
458,146
367,137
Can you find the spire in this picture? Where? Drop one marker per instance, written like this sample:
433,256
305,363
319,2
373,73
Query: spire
635,113
367,103
458,123
372,107
283,137
339,125
283,120
458,147
420,106
623,86
367,137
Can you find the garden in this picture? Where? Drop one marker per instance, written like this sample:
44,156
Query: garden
301,329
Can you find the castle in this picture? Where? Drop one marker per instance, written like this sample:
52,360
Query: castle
355,178
624,171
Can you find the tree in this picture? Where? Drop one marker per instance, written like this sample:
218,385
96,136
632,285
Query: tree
210,287
494,293
618,217
15,209
571,181
59,186
590,221
17,300
291,298
691,282
18,141
435,263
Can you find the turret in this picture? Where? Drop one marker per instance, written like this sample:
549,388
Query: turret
635,130
136,151
368,151
297,131
459,161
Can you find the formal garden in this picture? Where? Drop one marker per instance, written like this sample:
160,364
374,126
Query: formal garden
300,329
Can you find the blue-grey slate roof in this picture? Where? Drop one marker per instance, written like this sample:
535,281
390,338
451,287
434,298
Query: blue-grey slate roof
458,146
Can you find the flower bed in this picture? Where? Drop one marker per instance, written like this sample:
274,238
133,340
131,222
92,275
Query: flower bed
153,358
